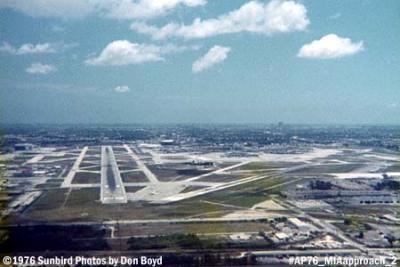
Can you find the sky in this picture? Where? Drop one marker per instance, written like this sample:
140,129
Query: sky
200,61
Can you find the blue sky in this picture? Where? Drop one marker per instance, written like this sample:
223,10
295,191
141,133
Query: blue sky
225,61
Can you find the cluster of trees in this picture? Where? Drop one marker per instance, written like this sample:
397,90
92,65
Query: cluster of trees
320,185
52,238
191,241
388,185
188,241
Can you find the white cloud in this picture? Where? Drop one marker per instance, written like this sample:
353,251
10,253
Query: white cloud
65,87
122,89
40,68
215,55
123,52
118,9
330,46
29,48
275,17
51,8
127,9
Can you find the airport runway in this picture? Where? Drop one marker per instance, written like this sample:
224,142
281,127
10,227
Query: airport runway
75,167
152,178
112,189
217,171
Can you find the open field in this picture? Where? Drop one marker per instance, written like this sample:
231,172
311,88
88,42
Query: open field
133,177
84,205
328,168
86,178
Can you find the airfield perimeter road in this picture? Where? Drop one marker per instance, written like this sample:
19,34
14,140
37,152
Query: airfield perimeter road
152,178
112,189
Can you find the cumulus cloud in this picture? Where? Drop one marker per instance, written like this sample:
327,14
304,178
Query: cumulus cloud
50,8
45,86
118,9
29,48
123,52
40,68
215,55
122,89
127,9
330,46
274,17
